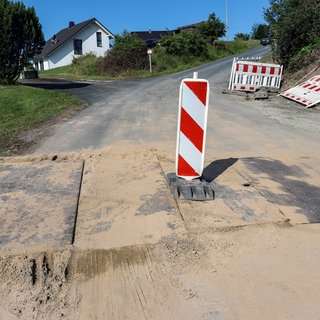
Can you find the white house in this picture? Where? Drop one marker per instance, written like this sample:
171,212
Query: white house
74,41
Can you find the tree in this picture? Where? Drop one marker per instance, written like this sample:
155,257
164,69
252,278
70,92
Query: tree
21,38
259,31
128,41
128,53
295,25
212,29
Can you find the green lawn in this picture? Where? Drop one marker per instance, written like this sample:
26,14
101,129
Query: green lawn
24,107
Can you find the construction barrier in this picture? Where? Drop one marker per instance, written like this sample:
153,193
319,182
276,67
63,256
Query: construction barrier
192,125
306,93
251,75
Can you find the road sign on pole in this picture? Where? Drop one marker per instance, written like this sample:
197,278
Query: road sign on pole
192,127
149,52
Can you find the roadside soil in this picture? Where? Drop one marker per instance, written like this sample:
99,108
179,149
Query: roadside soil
24,141
308,65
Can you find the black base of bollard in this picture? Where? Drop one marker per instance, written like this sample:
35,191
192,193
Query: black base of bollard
196,189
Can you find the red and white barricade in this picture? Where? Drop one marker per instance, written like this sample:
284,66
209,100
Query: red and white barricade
251,75
192,125
306,93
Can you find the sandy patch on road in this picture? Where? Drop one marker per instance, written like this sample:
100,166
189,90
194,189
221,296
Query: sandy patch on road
139,254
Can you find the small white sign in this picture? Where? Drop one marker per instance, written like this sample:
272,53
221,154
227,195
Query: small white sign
149,51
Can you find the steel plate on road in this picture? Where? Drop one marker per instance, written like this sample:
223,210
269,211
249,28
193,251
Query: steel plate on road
38,204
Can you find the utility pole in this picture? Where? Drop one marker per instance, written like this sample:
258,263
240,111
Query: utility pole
227,23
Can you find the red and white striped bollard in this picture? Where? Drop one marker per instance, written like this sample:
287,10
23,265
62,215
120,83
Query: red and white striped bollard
192,127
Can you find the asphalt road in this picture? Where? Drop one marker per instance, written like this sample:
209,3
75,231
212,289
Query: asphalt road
137,110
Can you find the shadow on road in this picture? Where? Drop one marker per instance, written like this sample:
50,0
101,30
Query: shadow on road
295,190
53,84
215,168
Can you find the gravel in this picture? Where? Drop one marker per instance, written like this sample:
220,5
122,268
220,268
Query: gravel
290,113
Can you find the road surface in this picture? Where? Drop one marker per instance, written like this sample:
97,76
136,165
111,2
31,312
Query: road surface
137,111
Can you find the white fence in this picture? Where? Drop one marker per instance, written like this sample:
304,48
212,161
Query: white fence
251,75
306,93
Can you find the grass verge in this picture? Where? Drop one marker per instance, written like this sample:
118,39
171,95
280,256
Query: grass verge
23,108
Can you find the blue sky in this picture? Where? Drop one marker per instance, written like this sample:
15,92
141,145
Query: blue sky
142,15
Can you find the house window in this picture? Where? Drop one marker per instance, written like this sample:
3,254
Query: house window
99,39
77,46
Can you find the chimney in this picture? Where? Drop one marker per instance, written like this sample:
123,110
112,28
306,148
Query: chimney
71,24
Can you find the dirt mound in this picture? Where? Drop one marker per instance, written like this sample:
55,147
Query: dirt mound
308,65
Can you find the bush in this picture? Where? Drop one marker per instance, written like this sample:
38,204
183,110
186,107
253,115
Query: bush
185,45
120,61
242,36
86,65
163,61
306,56
129,53
6,82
